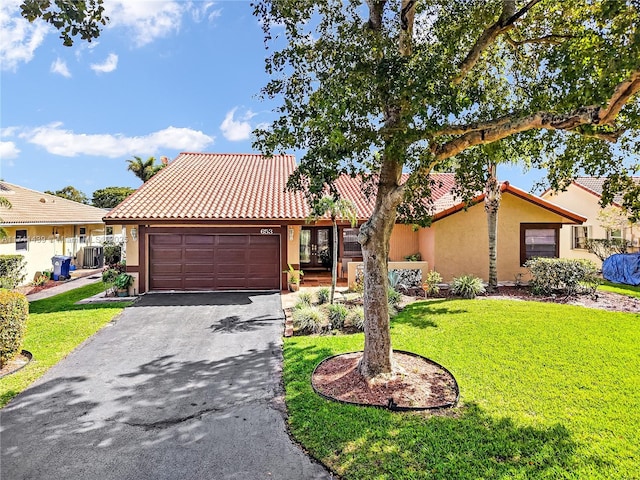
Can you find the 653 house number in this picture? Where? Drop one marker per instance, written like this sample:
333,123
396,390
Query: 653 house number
266,231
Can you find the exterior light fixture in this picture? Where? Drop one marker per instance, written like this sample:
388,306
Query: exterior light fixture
134,233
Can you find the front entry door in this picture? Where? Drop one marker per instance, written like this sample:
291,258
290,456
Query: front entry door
315,247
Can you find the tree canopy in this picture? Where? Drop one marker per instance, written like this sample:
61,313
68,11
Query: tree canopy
109,197
144,169
70,193
380,88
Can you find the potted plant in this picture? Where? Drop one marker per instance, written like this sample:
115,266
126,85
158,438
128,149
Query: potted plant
122,283
294,277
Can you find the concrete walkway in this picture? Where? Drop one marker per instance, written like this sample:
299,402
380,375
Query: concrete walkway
85,277
179,386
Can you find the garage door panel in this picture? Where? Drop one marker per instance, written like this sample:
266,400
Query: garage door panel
166,240
214,262
231,255
168,268
193,255
199,268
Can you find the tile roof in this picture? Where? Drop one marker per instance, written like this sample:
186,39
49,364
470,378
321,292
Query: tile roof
29,207
596,184
207,186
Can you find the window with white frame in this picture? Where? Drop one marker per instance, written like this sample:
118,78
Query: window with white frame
615,234
580,235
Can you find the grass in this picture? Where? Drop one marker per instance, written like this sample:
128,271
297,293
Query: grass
55,327
628,290
547,391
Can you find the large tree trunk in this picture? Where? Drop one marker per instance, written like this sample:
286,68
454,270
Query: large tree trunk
491,206
374,237
334,260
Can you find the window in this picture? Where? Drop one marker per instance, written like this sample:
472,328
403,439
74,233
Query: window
83,235
615,234
109,230
538,240
580,235
21,240
350,245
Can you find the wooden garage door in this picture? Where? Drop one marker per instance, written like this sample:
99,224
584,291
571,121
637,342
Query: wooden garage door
214,262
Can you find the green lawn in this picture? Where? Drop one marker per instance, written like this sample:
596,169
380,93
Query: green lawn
628,290
55,327
547,391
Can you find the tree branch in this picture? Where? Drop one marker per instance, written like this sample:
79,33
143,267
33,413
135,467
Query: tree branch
507,19
488,132
548,39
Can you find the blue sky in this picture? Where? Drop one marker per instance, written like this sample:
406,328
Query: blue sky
164,77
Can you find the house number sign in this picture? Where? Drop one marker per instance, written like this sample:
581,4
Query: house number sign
266,231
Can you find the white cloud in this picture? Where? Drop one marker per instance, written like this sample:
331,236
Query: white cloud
59,141
147,20
204,10
60,66
8,150
19,38
109,65
237,130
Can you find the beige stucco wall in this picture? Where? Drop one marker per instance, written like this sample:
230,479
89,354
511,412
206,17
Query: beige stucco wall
461,243
586,204
403,242
293,245
42,244
427,245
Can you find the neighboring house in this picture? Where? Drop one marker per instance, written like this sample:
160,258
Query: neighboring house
40,225
583,195
225,221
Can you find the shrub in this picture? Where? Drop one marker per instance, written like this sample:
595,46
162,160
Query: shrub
395,280
309,319
12,271
393,296
430,284
112,253
337,315
416,257
467,286
323,295
564,275
40,280
356,317
14,311
358,285
304,299
393,310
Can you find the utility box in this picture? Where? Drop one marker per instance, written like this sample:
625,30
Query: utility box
92,257
61,264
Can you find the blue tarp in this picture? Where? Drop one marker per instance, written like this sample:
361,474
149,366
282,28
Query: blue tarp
622,268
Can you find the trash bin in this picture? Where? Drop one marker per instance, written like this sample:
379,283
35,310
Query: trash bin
61,264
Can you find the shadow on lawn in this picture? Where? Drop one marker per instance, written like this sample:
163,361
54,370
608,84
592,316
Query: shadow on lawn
421,314
461,443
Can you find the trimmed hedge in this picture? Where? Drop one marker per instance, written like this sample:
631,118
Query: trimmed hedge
14,312
11,271
562,275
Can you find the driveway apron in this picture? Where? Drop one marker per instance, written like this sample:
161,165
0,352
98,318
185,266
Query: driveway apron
179,386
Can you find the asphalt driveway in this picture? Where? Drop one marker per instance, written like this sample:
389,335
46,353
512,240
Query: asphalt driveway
180,386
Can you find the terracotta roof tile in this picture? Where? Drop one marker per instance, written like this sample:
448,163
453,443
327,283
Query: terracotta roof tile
30,207
596,184
208,186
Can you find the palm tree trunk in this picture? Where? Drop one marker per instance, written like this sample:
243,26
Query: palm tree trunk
334,261
491,206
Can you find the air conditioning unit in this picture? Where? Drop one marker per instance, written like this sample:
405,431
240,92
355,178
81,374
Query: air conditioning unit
92,257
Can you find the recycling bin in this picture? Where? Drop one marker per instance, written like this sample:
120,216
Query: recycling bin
61,264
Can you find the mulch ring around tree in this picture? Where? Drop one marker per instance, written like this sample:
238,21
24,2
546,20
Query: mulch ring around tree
16,363
416,384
